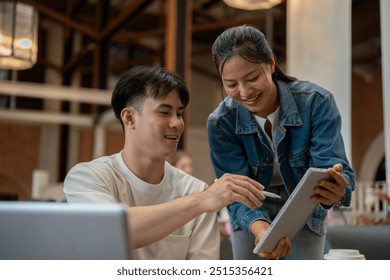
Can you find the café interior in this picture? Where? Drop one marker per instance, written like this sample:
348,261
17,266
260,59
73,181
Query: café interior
55,92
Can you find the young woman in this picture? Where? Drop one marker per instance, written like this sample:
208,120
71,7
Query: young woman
272,128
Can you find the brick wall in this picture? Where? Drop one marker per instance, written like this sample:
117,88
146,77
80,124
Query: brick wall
19,151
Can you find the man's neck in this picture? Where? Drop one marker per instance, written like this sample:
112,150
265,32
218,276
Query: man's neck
150,170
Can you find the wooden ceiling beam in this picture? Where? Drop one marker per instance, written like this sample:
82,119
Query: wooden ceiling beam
77,6
133,9
50,13
133,62
131,36
222,24
204,14
82,54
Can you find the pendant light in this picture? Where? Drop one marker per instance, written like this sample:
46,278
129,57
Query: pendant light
252,4
18,35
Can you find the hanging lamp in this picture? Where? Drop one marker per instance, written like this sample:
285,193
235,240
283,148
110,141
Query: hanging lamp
18,35
252,4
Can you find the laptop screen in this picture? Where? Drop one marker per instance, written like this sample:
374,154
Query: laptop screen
61,231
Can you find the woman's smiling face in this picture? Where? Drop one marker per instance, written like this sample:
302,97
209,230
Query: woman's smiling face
250,84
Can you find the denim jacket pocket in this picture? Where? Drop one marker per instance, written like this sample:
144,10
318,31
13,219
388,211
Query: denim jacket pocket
254,168
257,167
300,162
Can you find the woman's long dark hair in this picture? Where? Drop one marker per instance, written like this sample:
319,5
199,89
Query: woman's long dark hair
249,43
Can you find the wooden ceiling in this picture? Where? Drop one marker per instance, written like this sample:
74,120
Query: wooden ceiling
133,31
114,35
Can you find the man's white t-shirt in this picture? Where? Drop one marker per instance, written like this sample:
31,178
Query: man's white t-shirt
108,180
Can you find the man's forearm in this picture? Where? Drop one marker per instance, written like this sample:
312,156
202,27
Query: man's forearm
149,224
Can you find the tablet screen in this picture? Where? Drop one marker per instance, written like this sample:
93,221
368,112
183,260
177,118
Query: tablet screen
294,213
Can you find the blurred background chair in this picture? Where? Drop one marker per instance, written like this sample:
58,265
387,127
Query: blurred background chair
43,190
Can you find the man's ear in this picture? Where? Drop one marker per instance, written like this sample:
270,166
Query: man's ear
128,117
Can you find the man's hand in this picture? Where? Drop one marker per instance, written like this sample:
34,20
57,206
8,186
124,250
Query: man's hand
232,188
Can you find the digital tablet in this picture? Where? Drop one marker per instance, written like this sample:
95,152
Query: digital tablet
294,213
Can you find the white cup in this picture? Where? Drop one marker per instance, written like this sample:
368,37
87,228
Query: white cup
343,254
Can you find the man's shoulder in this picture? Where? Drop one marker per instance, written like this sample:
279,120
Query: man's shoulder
101,164
185,181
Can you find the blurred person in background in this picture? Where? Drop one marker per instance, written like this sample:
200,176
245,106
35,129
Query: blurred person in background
364,219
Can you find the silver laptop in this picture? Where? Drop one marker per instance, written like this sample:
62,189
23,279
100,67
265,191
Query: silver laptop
61,231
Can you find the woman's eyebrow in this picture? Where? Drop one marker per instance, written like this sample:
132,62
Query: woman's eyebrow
244,76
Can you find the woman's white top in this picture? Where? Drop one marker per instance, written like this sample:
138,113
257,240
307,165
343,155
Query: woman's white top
273,118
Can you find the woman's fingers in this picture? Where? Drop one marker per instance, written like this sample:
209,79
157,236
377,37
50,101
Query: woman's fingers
282,249
329,192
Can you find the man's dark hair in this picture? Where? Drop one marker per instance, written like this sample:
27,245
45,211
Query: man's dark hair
141,82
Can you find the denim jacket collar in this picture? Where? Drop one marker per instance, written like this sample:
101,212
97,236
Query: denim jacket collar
288,115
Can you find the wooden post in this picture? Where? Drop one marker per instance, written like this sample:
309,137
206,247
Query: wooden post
178,48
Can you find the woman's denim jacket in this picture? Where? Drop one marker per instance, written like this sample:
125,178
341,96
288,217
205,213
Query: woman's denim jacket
308,135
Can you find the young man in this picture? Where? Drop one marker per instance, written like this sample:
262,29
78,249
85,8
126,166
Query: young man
171,214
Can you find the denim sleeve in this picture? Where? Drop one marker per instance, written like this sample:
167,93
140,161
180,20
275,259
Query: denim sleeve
242,217
327,142
227,156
